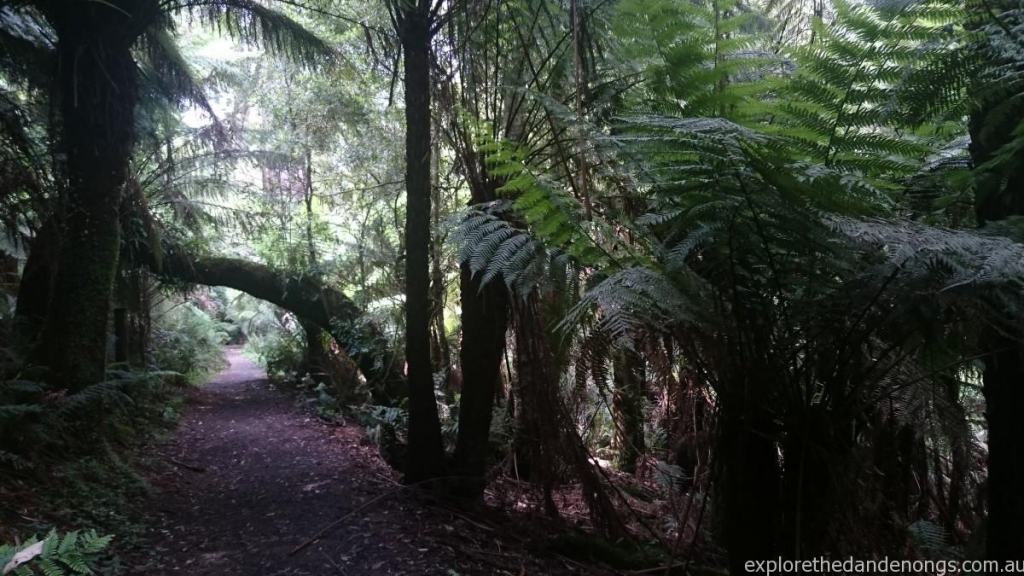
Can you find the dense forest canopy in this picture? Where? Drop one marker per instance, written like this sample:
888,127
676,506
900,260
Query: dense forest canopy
742,277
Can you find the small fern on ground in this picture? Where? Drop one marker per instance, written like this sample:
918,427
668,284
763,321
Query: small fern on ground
56,555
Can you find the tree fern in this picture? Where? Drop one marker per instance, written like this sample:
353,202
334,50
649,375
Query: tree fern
697,58
550,225
843,107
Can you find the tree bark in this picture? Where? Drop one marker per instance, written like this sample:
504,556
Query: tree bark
121,338
426,452
97,97
484,322
627,407
1004,401
998,196
748,486
546,436
36,287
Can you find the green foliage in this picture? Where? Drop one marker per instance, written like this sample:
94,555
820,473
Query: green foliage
56,555
186,339
997,122
697,58
281,352
931,540
256,24
534,234
845,107
272,336
37,423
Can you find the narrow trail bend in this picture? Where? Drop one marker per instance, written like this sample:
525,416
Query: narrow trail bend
248,476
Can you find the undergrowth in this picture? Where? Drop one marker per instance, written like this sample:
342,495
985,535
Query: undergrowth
68,460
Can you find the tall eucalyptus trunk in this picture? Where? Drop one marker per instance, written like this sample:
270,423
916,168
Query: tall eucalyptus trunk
426,452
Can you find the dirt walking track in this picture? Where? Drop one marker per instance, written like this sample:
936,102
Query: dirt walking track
249,476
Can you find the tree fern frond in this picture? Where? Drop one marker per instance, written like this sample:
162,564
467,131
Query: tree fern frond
252,22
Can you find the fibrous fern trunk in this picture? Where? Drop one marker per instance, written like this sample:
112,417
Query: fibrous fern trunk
999,196
1004,400
627,408
749,476
97,95
546,437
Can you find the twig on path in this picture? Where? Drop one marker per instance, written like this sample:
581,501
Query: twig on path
464,518
584,567
335,564
664,568
323,531
184,465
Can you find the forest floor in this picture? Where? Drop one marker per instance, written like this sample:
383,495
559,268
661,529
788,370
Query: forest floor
249,477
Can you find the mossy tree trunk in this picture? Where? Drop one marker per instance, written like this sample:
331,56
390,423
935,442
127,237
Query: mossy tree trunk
97,97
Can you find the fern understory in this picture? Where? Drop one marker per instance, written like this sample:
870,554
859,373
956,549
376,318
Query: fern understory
72,462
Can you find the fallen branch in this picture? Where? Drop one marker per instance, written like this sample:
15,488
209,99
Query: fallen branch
323,531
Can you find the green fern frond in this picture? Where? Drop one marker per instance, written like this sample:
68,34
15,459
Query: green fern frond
256,24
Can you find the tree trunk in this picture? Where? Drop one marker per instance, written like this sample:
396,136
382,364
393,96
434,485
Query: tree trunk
627,407
307,298
748,486
36,287
816,453
484,322
121,338
316,352
546,436
441,352
329,365
485,312
1004,401
998,196
97,96
426,452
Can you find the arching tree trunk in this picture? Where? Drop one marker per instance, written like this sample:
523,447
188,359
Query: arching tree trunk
426,452
97,96
307,298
